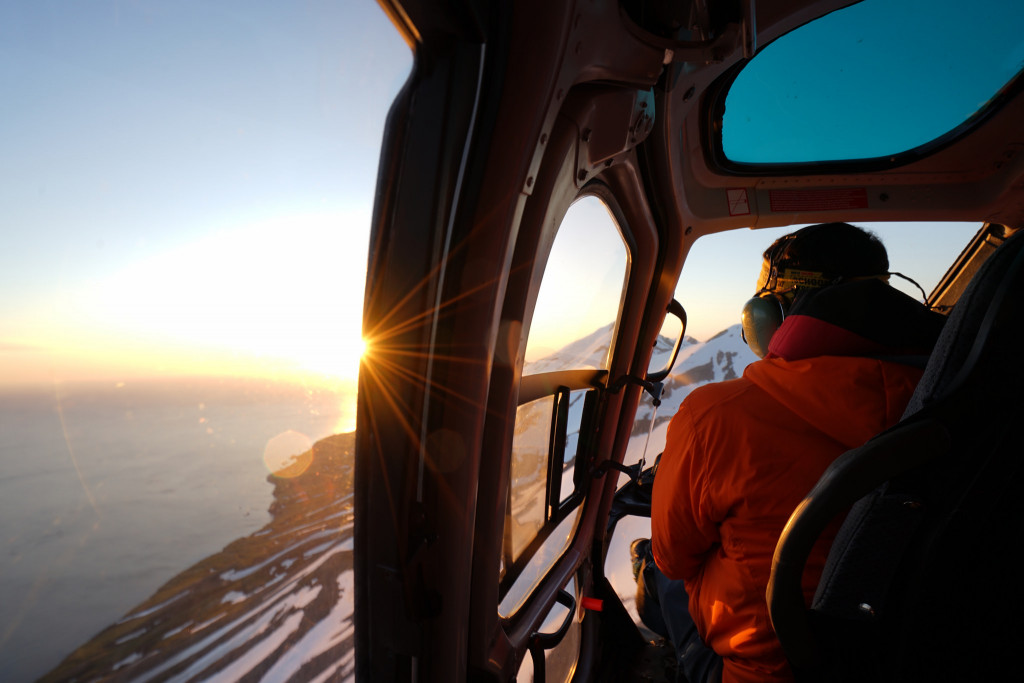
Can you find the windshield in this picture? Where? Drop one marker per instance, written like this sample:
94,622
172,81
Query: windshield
872,80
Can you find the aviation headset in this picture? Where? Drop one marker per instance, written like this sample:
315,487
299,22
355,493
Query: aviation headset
764,312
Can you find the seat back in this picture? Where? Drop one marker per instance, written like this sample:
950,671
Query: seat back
921,581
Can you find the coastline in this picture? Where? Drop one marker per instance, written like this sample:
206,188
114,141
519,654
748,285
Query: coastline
278,600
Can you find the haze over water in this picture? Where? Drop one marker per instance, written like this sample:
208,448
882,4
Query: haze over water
108,491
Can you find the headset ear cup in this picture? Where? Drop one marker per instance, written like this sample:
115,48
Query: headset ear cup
761,317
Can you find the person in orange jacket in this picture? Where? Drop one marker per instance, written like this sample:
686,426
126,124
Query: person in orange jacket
842,352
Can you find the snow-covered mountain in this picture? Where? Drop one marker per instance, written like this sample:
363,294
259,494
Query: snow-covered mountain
721,357
590,351
277,605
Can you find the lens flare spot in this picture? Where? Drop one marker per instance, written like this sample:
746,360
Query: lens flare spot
288,454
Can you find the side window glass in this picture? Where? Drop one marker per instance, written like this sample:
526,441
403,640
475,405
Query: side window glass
530,447
574,318
186,192
572,328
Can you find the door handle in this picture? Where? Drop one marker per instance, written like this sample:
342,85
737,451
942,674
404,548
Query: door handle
539,642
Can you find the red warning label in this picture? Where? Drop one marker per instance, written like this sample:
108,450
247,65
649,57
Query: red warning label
739,203
819,200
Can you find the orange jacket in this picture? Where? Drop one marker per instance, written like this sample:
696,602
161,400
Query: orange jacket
740,456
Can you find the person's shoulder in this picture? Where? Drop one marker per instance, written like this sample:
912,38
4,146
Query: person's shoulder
709,399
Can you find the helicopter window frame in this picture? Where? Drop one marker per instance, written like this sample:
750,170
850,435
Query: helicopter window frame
523,566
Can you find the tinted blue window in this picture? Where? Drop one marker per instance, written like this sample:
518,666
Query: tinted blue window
872,80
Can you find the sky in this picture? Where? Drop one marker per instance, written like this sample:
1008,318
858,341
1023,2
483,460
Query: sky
187,189
187,185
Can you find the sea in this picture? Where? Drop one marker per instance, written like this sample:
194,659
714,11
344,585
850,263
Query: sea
107,490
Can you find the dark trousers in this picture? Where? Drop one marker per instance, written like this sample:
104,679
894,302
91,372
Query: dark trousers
663,606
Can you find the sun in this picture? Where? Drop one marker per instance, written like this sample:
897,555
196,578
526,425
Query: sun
336,359
360,352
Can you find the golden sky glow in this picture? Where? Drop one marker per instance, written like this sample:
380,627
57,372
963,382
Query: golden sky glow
279,298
